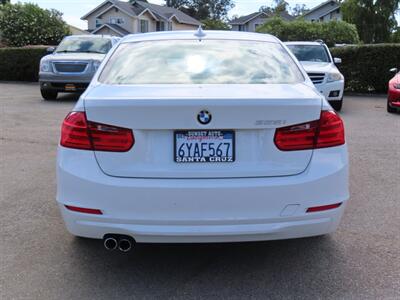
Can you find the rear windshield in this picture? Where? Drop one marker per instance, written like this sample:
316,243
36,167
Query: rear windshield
200,62
85,45
316,53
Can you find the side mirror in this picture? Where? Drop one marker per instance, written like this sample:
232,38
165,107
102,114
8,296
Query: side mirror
337,60
393,70
50,50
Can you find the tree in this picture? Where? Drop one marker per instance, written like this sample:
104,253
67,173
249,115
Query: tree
299,10
4,1
277,9
28,24
176,3
267,9
203,9
210,24
280,7
334,32
375,19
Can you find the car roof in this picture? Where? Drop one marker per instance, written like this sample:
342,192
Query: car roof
304,43
203,35
90,36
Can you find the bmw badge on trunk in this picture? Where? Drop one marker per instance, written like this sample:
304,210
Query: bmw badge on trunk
204,117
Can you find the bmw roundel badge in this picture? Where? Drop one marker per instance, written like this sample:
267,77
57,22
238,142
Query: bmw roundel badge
204,117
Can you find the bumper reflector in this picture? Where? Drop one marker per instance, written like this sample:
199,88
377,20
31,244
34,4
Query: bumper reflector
324,207
84,210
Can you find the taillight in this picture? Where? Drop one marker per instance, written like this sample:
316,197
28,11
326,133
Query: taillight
331,130
79,133
74,133
328,131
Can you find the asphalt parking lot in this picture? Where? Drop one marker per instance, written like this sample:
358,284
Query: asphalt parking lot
41,260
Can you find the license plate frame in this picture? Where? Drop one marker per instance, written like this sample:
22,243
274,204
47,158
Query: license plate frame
207,159
70,87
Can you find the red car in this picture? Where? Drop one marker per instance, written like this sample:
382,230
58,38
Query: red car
393,103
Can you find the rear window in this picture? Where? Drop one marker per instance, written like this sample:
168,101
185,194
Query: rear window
200,62
315,53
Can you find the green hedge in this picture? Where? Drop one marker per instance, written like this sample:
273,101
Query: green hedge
20,64
366,67
334,32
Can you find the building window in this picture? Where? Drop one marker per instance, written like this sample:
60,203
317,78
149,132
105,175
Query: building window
160,26
241,28
117,20
170,26
98,23
144,26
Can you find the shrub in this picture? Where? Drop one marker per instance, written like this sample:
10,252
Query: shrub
210,24
334,32
20,64
366,67
28,24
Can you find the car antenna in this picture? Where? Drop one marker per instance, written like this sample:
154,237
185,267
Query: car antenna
200,33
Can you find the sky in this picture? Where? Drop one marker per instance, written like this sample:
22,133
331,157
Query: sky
73,10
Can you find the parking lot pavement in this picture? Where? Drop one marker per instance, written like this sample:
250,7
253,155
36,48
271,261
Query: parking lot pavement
40,260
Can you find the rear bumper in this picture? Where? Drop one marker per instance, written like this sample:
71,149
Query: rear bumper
164,233
394,104
329,88
202,210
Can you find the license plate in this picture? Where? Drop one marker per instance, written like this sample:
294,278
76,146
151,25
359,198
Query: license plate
202,146
70,87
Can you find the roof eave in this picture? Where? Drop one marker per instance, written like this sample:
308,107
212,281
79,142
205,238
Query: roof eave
318,7
84,17
249,19
108,26
118,7
150,12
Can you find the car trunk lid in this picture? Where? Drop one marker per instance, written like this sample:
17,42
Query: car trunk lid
154,113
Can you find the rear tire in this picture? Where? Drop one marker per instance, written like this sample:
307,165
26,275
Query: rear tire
48,94
337,105
390,109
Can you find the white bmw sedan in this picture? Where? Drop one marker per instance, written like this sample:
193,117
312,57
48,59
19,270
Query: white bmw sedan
201,137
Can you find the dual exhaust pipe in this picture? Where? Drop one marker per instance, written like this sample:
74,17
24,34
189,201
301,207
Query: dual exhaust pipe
121,242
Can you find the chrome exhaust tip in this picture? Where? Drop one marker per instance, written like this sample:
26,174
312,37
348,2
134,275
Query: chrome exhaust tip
125,245
110,243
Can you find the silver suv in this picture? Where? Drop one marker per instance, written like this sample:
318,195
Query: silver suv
71,66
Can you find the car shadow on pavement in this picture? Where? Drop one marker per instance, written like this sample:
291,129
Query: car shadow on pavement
65,97
69,97
286,267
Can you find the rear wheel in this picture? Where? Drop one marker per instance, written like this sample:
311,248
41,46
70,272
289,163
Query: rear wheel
48,94
337,105
390,109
